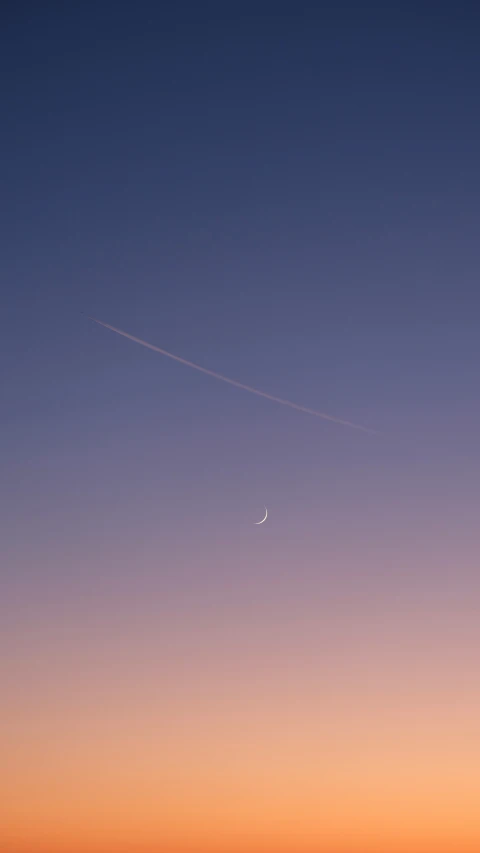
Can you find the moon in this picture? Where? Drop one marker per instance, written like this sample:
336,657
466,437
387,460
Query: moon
263,519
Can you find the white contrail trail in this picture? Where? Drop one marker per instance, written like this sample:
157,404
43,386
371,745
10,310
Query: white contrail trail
233,381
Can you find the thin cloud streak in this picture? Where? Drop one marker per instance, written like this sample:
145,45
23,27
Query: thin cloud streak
233,381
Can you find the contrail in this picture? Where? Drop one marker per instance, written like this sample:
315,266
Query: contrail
233,381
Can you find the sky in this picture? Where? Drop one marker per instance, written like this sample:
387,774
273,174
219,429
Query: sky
286,194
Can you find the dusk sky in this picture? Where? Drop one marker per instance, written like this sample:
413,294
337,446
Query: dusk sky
287,194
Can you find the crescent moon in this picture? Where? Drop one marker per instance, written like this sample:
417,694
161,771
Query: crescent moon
263,519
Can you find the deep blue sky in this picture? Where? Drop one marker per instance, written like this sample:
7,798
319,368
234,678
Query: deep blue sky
286,193
233,180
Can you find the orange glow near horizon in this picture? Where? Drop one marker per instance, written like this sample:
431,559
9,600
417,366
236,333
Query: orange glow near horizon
243,749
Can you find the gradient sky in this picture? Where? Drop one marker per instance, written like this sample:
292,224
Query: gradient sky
288,194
